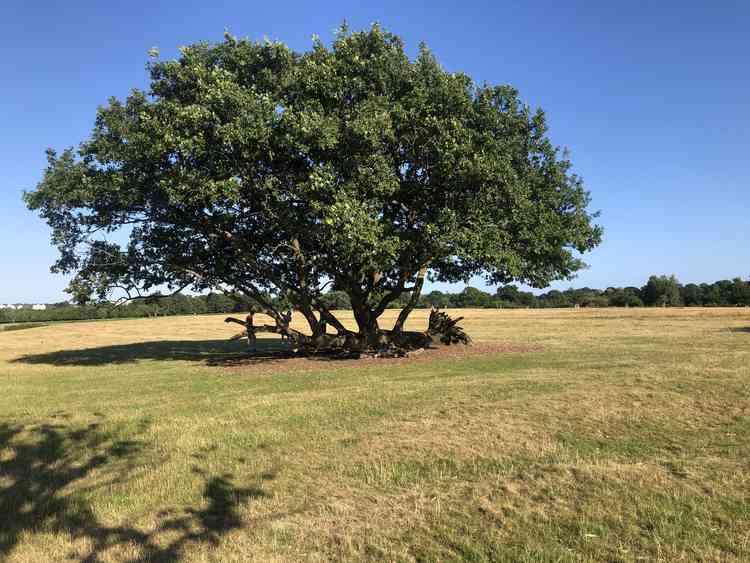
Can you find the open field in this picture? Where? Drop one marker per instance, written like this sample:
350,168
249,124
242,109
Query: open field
624,435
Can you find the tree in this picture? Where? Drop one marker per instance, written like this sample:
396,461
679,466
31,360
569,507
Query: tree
218,303
624,297
740,292
724,290
587,297
473,297
691,294
509,295
554,298
437,299
255,169
710,294
336,300
661,291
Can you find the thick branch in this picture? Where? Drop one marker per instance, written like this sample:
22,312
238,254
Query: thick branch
254,293
414,299
285,331
326,314
391,296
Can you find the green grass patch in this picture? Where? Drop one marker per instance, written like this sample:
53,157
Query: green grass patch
625,439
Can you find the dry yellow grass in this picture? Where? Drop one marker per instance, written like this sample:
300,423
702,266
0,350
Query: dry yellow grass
627,438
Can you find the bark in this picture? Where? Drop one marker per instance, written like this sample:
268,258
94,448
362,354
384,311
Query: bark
327,316
413,300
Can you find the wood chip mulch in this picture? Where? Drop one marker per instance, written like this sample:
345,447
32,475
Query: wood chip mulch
280,361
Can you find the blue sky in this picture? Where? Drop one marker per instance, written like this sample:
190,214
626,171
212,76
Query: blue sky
651,98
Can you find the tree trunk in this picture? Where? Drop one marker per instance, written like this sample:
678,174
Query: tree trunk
367,323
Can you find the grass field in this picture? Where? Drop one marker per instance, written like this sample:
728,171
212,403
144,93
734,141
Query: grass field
622,435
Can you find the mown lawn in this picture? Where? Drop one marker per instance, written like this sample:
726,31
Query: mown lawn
624,436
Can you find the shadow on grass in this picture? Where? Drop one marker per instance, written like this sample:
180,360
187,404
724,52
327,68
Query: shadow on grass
20,326
212,352
41,491
740,329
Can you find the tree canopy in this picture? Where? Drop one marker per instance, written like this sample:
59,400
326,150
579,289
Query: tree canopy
662,290
253,168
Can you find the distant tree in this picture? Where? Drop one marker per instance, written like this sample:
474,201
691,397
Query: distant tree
662,291
587,297
635,291
634,300
554,298
472,297
710,294
219,303
726,290
336,300
691,295
624,297
437,299
594,299
740,292
252,168
508,293
526,299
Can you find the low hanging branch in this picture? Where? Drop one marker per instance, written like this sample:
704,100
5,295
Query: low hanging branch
441,329
298,340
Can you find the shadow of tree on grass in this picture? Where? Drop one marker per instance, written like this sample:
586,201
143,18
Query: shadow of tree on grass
37,464
214,351
211,352
42,469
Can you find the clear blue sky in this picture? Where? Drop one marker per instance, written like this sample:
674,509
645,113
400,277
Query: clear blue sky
651,98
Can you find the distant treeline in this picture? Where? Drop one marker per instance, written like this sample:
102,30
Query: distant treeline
659,291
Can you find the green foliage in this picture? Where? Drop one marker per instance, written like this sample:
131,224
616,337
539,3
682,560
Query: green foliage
252,167
336,300
662,291
472,297
692,294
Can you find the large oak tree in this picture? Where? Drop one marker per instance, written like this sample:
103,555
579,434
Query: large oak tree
250,167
